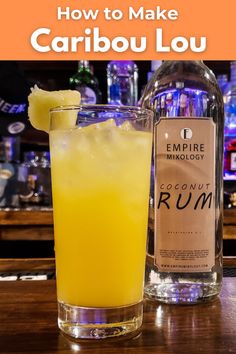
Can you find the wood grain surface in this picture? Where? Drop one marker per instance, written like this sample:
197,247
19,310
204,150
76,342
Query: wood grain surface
38,224
28,324
230,216
27,233
27,264
48,264
26,217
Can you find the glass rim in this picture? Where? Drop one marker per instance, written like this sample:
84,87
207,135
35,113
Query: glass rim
103,107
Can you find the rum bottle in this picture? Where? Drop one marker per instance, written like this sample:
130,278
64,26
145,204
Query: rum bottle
184,261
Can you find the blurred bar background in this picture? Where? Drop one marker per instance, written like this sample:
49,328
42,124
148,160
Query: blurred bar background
26,220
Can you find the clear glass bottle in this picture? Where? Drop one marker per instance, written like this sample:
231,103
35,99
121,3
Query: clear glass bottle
222,82
9,166
86,83
184,260
230,160
122,82
35,180
230,126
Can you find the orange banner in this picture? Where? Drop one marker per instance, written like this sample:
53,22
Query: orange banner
131,29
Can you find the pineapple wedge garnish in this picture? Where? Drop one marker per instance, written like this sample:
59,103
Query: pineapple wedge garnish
40,103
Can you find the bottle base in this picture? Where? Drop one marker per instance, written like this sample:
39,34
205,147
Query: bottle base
99,323
182,293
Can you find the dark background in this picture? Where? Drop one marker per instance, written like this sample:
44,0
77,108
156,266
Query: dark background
54,75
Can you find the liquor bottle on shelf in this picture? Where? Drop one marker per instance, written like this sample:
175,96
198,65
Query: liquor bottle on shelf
184,261
155,64
115,94
9,169
230,160
122,83
86,83
230,126
222,82
35,180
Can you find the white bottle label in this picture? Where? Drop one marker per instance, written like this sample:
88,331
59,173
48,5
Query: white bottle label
185,194
233,161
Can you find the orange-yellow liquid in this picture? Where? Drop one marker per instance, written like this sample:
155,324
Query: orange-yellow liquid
100,199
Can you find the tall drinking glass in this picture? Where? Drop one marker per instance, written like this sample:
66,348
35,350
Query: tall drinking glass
100,162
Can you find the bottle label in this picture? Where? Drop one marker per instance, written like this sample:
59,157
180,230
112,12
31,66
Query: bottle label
88,96
185,194
233,161
16,127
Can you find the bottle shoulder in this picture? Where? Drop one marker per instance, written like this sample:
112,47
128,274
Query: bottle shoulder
182,74
182,77
184,89
84,80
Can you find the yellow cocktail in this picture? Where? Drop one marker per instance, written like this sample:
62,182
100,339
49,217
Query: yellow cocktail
100,178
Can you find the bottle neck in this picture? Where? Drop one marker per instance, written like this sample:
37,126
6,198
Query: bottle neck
83,65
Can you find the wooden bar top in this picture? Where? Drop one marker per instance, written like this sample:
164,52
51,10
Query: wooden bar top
37,224
44,216
28,324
